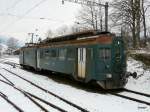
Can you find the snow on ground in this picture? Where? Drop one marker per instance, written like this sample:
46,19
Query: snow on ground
94,102
12,58
3,48
142,83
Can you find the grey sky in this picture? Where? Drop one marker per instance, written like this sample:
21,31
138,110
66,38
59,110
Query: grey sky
18,18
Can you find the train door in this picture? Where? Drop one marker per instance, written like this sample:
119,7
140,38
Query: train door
38,58
81,62
21,56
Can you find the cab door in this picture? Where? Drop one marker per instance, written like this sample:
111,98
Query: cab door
103,62
38,58
118,55
81,62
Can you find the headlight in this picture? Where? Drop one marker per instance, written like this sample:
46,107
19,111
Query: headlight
108,75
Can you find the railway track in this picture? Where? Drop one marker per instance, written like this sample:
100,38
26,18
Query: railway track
136,92
44,90
32,97
133,98
5,97
112,93
12,64
9,62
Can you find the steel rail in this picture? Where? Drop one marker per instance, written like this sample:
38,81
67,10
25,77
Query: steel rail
136,92
7,79
29,95
12,64
49,92
5,97
130,98
30,98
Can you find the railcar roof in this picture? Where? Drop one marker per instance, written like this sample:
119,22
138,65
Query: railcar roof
74,36
80,38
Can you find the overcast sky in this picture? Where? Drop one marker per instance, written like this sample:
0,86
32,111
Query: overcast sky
20,17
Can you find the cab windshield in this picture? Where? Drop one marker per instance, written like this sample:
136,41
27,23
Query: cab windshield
105,53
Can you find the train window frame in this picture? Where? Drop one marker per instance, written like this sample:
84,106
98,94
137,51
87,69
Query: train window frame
53,53
27,52
70,54
41,54
46,53
62,53
91,53
104,53
50,53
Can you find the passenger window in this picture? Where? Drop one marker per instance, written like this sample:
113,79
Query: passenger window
50,53
62,54
53,53
41,54
46,52
70,54
27,52
90,53
105,53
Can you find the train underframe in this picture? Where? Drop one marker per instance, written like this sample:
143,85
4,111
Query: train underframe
104,84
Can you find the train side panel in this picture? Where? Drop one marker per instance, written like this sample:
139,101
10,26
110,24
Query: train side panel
101,60
58,59
30,57
21,57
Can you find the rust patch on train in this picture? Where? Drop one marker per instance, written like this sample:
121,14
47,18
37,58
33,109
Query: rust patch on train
104,40
101,39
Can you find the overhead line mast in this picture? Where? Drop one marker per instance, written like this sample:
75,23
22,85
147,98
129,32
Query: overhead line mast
89,3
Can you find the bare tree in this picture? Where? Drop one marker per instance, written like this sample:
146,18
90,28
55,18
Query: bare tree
144,8
49,34
12,43
62,30
75,28
127,13
90,17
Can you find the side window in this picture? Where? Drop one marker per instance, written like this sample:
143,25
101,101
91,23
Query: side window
101,53
62,54
50,53
105,53
70,54
21,53
46,53
41,53
53,53
27,52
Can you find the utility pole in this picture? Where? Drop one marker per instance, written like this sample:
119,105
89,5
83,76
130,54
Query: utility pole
89,3
106,16
32,36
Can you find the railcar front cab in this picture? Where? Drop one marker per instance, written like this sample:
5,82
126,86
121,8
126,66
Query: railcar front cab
116,76
111,65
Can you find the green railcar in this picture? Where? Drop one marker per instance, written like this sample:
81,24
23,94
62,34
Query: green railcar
100,58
